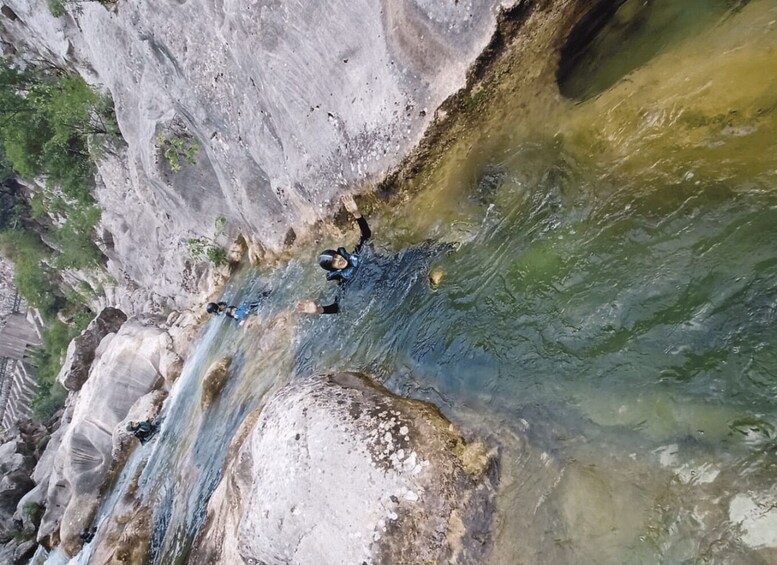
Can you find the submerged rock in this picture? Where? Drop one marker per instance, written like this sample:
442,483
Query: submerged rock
214,381
756,515
335,469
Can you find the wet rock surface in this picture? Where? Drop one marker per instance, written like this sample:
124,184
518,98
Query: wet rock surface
127,537
337,470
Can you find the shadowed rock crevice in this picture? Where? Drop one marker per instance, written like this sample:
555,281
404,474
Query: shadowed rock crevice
580,39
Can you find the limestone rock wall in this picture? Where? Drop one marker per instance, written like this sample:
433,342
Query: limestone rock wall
126,367
81,351
292,104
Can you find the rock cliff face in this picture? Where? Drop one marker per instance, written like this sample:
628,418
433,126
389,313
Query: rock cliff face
336,470
291,103
126,367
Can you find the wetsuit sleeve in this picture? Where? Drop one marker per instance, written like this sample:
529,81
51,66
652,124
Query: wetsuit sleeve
334,276
251,307
365,229
332,308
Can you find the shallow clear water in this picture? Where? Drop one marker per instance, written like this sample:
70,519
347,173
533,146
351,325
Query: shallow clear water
607,314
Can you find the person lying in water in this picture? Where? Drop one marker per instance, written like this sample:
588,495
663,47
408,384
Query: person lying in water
239,313
87,534
141,430
342,266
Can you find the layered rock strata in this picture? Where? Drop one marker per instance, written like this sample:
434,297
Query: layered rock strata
81,351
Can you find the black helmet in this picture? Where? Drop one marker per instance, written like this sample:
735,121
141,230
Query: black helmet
326,258
212,307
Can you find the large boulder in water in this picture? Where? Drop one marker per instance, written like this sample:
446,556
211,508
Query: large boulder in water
214,381
334,469
126,367
81,351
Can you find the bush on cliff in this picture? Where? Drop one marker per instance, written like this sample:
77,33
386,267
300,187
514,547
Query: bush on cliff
50,395
34,279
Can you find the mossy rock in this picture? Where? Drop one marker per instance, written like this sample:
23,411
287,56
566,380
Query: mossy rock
214,381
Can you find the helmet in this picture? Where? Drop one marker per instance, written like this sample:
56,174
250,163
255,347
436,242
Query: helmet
326,258
212,307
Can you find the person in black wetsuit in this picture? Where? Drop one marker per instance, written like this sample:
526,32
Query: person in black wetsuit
141,430
342,266
87,534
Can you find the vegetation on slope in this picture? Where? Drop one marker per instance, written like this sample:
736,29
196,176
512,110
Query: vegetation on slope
52,126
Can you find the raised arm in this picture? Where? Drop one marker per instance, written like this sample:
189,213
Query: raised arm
365,229
311,307
350,205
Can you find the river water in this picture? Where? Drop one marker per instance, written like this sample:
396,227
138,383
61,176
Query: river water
607,314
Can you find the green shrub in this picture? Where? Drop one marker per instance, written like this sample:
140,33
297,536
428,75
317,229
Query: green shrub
217,255
51,353
34,512
49,357
50,117
178,149
77,249
202,247
57,8
33,278
24,535
48,399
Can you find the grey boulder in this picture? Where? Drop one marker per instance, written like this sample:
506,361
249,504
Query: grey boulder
80,352
336,470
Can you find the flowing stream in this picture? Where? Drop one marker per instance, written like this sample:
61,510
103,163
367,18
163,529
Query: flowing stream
607,316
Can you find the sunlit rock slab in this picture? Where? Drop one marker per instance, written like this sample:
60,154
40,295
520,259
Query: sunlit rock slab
335,469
